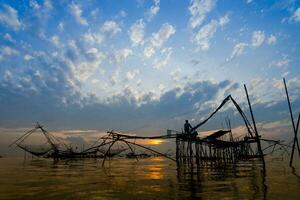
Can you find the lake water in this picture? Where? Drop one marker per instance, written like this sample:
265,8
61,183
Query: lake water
151,178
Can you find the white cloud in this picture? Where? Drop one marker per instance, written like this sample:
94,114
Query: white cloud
123,13
283,63
91,38
224,20
161,87
55,40
114,78
33,4
258,37
158,64
293,83
249,1
39,13
158,39
198,10
149,51
8,37
7,75
28,57
277,83
95,81
265,94
6,51
84,61
86,68
207,32
175,75
153,10
132,74
106,31
238,50
121,55
77,13
296,15
136,32
48,4
162,35
94,13
61,26
9,17
111,27
271,40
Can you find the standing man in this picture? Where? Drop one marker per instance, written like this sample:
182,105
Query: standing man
187,127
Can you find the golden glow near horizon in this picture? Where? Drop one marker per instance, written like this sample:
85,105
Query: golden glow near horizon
154,142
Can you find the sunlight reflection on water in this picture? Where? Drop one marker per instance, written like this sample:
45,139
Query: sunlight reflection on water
152,178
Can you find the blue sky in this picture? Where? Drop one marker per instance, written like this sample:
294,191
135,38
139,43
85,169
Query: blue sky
145,65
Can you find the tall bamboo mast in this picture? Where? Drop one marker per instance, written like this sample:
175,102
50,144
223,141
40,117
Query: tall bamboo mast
255,128
295,129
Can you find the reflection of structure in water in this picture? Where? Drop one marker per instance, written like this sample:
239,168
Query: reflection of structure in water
247,179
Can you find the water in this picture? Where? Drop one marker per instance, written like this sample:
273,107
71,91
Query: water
152,178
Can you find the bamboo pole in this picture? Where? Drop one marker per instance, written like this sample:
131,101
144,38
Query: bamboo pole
130,149
152,150
297,128
108,150
255,128
293,123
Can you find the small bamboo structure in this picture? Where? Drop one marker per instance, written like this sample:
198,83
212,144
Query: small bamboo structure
57,149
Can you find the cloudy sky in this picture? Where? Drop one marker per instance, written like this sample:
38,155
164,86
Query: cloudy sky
144,66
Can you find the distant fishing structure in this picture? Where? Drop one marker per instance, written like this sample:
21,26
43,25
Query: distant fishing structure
218,148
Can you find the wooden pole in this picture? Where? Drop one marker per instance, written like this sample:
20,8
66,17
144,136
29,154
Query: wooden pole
130,149
255,128
297,128
295,142
152,150
177,149
108,151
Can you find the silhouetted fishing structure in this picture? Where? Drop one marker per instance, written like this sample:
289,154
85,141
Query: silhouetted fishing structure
57,149
219,148
295,127
214,149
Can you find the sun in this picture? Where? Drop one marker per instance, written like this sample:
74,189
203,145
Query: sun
155,142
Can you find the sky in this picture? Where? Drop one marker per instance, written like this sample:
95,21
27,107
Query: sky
145,66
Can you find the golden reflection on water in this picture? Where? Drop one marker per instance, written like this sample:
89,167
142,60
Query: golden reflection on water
155,173
152,178
157,159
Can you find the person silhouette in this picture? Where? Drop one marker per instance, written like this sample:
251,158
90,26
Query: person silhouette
187,127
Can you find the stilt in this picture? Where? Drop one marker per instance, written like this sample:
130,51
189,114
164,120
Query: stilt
257,137
295,128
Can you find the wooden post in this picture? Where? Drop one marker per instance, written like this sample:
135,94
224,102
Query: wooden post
255,129
295,129
177,149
